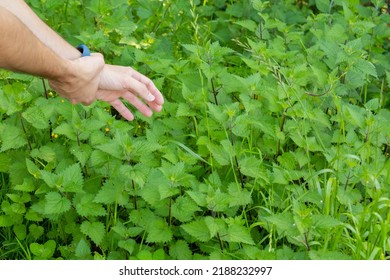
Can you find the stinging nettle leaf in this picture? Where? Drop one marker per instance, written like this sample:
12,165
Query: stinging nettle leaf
239,233
67,130
73,180
81,152
51,179
180,251
184,209
129,245
12,137
366,67
36,117
86,207
198,229
94,230
5,162
56,204
82,249
159,232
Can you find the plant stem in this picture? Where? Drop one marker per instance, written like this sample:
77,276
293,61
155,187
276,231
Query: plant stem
47,97
220,242
45,89
235,156
25,132
135,195
215,91
170,211
306,242
281,130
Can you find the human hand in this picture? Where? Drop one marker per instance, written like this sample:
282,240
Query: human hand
80,80
89,79
124,82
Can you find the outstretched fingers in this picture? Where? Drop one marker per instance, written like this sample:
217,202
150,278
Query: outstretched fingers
159,99
120,82
113,97
122,109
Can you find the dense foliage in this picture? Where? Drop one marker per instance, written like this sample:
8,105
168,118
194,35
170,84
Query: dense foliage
273,142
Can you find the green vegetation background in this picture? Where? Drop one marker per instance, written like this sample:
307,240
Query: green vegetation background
273,143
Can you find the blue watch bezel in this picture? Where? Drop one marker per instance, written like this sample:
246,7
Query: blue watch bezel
84,50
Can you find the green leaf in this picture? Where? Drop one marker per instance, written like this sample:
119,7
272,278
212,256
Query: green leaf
43,251
86,207
184,209
239,233
198,230
20,231
328,255
372,104
34,216
199,198
82,152
365,67
35,231
73,180
220,154
51,179
6,221
251,166
191,152
349,196
5,162
82,249
144,255
238,196
284,223
46,153
149,193
22,198
32,168
8,104
184,110
180,251
56,204
355,115
112,192
36,117
67,130
323,5
325,222
159,232
218,200
94,230
248,24
192,48
213,225
128,245
12,137
112,148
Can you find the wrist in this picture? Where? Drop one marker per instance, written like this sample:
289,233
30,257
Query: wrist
79,79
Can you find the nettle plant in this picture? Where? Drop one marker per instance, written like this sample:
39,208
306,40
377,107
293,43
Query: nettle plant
273,142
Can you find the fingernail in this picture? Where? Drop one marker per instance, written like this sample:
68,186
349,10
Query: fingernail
150,97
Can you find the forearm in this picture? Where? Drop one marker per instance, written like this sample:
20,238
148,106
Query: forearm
43,32
21,50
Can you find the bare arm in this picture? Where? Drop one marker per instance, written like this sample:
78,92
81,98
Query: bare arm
32,57
21,51
116,82
43,32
